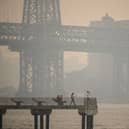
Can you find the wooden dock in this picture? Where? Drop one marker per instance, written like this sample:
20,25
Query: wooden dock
87,108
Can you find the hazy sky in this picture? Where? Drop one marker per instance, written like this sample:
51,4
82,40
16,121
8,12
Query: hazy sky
77,12
80,12
73,12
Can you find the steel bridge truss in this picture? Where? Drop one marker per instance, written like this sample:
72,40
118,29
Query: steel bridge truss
41,41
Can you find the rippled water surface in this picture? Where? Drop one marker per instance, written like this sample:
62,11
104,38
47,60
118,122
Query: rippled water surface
110,116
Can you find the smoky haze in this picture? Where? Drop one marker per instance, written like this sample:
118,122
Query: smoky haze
95,57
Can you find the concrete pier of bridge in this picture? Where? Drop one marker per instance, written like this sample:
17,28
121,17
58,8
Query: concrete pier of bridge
41,109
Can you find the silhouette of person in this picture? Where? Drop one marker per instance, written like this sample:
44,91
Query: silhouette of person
72,99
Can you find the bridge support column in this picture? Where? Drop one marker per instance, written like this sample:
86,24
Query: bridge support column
25,84
120,74
41,113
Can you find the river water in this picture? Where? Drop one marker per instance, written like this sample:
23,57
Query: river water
110,116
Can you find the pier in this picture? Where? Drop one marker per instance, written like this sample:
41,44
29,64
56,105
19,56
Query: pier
42,108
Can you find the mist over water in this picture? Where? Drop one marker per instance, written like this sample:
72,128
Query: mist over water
110,116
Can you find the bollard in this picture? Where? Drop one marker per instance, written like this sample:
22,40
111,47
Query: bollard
90,122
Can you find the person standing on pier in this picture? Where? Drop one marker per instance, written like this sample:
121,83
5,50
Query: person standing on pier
72,99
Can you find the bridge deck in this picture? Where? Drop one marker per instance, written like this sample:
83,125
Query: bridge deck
68,38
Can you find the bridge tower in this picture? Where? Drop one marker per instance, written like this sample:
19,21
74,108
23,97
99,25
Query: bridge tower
41,69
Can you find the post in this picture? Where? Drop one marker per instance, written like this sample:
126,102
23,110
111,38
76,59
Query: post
83,120
2,112
35,121
89,121
1,120
41,122
47,121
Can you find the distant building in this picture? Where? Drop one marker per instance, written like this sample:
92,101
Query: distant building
102,66
107,21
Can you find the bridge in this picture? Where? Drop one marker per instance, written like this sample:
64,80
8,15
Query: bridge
41,41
